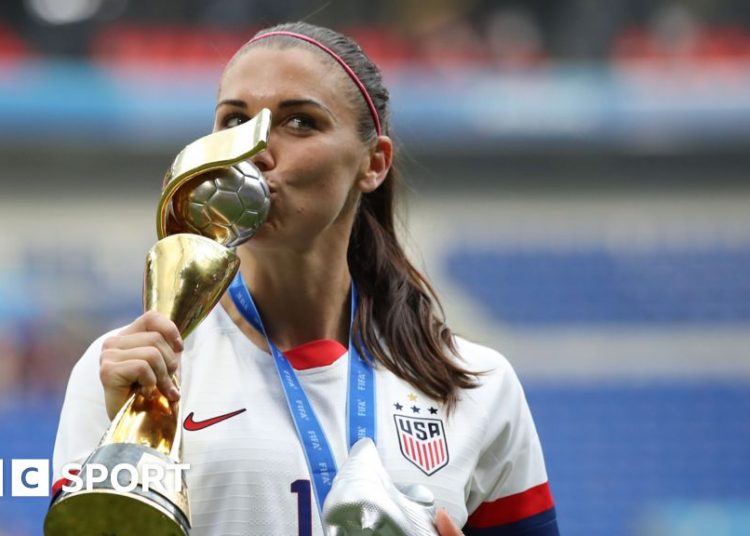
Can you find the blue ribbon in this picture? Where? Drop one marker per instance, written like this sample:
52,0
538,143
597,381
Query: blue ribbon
360,396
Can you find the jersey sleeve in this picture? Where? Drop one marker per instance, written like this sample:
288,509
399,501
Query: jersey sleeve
83,420
509,493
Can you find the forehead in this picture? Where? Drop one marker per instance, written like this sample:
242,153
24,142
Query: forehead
269,73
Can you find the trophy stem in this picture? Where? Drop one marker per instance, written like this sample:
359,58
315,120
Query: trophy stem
151,421
185,276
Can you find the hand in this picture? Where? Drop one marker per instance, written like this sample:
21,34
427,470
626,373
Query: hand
445,525
143,355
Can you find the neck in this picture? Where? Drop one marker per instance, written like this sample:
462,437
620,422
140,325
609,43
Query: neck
301,297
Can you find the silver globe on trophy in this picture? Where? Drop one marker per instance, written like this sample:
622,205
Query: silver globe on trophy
214,199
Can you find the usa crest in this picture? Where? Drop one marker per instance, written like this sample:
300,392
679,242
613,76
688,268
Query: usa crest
422,442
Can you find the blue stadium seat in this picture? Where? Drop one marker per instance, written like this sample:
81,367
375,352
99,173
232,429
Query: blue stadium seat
598,286
618,451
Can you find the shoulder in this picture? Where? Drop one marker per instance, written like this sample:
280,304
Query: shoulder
476,355
509,493
496,378
497,405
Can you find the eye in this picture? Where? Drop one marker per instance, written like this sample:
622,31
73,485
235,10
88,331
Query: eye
301,122
233,119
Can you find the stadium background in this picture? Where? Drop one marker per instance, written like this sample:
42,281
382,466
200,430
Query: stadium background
579,193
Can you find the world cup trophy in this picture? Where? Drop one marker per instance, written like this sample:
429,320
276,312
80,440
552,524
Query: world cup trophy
214,199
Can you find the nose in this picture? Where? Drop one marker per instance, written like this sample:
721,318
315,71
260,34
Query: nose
264,160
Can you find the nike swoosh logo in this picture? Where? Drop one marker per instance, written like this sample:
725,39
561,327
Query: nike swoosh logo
193,425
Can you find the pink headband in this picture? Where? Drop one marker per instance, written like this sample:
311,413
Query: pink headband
349,71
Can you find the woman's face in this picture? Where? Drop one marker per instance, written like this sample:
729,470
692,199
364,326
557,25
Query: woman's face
315,164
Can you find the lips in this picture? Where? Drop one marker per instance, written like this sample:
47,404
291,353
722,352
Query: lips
272,189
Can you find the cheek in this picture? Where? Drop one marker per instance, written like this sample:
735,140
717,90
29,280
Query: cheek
320,202
323,183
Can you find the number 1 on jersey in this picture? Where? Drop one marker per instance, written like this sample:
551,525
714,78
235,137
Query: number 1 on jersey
304,506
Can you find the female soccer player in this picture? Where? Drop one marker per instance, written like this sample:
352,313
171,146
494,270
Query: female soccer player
447,413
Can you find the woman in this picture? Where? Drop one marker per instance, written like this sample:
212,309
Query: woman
450,414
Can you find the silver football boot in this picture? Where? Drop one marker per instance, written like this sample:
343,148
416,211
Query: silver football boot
365,502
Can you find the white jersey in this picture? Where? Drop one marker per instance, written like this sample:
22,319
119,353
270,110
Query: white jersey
248,473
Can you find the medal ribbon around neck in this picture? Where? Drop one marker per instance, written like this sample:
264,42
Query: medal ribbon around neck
360,396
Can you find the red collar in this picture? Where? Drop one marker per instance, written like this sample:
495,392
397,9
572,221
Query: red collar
315,354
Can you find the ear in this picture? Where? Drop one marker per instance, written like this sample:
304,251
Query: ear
376,164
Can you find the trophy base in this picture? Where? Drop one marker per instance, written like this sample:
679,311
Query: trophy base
111,513
102,509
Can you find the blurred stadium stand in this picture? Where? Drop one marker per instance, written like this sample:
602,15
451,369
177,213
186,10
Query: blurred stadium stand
590,287
579,194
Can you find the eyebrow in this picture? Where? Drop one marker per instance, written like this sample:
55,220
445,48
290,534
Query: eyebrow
289,103
231,102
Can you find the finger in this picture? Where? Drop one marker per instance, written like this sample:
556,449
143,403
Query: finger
118,379
445,525
121,375
149,356
153,321
143,339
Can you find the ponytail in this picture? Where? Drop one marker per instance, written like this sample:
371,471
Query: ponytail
398,319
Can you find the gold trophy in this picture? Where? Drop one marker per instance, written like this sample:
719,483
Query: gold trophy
213,200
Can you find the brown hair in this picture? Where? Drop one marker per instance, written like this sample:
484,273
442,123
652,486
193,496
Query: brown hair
399,318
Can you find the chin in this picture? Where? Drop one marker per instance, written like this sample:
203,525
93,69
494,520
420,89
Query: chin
264,234
268,236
